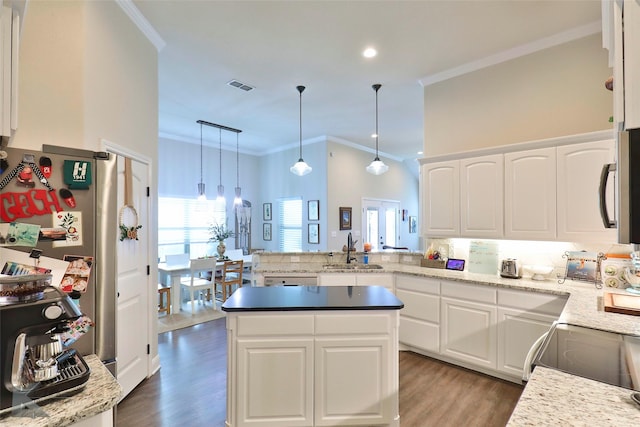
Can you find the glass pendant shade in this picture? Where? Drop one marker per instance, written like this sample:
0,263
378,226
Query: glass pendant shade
377,166
300,168
238,199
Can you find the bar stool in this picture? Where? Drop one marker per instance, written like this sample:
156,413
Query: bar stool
164,298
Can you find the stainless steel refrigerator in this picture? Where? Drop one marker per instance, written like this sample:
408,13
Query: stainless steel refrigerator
33,185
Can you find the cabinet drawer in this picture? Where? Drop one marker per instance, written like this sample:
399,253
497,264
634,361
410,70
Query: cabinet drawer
343,324
282,325
418,284
419,334
477,293
420,306
532,301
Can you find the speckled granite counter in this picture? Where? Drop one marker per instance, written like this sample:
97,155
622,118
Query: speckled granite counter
100,394
550,397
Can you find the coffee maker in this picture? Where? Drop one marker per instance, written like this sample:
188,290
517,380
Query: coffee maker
34,365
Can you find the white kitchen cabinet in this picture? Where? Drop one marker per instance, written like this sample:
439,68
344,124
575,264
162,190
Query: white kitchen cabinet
468,324
482,196
530,194
9,41
441,199
315,368
420,317
578,209
337,279
631,36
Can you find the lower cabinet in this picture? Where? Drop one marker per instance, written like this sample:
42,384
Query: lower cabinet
356,279
468,328
321,369
420,317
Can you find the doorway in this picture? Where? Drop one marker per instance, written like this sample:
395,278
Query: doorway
380,222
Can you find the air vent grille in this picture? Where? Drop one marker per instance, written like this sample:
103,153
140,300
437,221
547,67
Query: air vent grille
240,85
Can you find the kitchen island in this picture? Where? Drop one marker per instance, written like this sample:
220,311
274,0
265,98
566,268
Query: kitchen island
312,356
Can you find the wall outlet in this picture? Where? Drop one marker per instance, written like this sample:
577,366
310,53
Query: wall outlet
386,258
295,259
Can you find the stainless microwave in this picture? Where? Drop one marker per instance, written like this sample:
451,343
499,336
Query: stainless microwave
626,214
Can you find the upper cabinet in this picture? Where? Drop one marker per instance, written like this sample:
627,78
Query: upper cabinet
545,190
9,41
621,35
530,194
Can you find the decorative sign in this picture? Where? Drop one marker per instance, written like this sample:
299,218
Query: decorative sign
16,205
77,173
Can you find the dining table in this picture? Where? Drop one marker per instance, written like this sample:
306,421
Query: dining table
173,273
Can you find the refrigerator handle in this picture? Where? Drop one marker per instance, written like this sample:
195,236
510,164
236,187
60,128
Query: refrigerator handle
604,178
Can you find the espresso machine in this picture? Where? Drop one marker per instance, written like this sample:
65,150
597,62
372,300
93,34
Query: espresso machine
34,363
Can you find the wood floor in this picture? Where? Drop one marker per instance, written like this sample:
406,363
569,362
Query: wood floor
190,388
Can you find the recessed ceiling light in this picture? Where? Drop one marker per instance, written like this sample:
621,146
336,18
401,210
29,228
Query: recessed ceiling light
369,52
420,152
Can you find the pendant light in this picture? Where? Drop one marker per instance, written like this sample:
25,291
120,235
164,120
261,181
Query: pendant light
238,200
377,166
220,186
201,192
300,168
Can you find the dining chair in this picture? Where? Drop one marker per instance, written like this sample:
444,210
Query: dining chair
200,271
231,276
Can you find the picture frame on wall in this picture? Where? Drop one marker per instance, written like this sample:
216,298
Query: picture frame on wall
313,207
413,224
314,234
266,212
345,218
266,231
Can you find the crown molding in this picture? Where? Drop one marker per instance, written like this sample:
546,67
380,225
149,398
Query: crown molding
513,53
141,22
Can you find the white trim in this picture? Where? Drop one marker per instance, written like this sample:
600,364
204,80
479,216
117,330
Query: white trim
141,22
516,52
521,146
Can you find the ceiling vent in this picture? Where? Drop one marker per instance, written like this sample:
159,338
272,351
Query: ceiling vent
240,85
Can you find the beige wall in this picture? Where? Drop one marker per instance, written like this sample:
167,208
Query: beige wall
556,92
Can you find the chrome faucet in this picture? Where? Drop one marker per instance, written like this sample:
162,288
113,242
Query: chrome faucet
349,244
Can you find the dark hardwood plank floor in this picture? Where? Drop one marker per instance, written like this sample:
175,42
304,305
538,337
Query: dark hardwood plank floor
190,388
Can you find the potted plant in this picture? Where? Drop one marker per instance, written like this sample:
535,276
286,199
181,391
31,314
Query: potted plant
218,233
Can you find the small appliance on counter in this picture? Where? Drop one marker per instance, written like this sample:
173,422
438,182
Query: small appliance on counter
510,268
34,365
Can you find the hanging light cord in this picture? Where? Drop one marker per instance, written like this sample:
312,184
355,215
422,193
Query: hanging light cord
220,140
376,87
237,162
300,89
200,152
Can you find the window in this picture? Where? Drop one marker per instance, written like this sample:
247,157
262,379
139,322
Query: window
290,225
183,225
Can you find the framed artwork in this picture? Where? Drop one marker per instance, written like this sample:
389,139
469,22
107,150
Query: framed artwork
583,265
314,233
345,218
413,224
266,212
313,207
266,231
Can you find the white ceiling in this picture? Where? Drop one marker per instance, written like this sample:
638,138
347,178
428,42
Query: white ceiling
277,45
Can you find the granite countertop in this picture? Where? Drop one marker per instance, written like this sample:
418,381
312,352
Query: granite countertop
550,397
100,394
303,298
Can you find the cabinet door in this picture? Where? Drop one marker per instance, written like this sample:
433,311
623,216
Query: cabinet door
441,199
517,331
353,381
337,279
530,194
275,379
375,279
481,196
631,64
578,169
468,332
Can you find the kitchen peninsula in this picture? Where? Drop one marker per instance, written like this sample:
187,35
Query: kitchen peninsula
312,355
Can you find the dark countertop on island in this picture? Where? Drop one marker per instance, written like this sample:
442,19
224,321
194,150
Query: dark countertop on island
296,298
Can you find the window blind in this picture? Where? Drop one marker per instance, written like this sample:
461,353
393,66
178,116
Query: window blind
290,224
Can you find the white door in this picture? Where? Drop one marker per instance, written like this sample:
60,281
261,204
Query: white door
380,223
133,282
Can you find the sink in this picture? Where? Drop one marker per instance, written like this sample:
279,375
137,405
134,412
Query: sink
352,267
